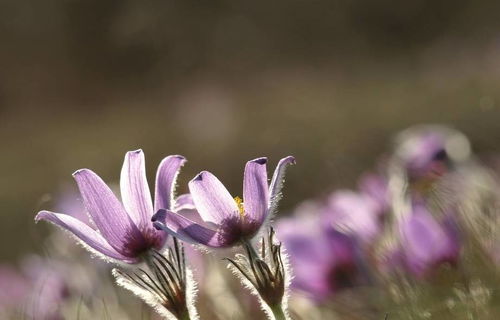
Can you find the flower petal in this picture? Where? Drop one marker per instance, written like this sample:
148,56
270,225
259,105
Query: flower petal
166,177
107,212
86,234
277,182
425,241
186,230
353,213
213,201
134,189
184,202
255,189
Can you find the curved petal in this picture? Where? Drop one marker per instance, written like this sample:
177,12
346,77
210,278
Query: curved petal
213,201
255,189
134,189
425,241
184,202
166,177
187,230
86,234
107,212
277,182
353,213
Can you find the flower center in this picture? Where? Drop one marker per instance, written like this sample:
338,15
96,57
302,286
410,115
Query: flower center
239,203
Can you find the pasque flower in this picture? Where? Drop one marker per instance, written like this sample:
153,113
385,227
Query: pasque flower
324,260
353,213
425,242
266,273
167,285
221,220
37,289
121,231
429,151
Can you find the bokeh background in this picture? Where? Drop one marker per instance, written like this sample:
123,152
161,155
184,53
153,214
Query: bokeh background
221,82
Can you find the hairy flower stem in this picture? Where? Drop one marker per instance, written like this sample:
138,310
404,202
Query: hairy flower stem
278,313
168,281
265,272
184,316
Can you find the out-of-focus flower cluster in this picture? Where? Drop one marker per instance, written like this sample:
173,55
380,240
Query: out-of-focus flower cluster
416,239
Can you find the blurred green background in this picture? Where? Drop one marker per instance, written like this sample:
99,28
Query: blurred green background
221,82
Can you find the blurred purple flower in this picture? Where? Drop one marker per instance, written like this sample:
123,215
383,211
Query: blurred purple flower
426,155
353,213
49,287
37,290
377,188
14,288
323,262
220,220
426,243
68,202
429,151
122,232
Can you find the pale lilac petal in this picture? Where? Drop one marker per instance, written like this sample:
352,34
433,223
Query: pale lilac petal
107,212
166,177
184,205
193,215
322,263
184,202
187,230
277,182
423,151
15,287
134,189
213,201
83,232
425,241
69,203
376,187
353,213
255,189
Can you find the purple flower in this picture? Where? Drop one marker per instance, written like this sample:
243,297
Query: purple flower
428,151
353,213
49,289
376,187
121,232
37,289
426,243
323,262
14,290
221,220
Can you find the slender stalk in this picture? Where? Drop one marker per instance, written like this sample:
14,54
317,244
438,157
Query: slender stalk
170,281
184,316
278,312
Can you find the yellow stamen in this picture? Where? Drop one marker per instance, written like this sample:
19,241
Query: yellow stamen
239,203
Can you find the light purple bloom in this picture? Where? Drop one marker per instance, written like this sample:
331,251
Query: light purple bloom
37,289
221,220
323,261
428,151
122,232
376,187
353,213
49,287
426,243
14,288
425,154
69,203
